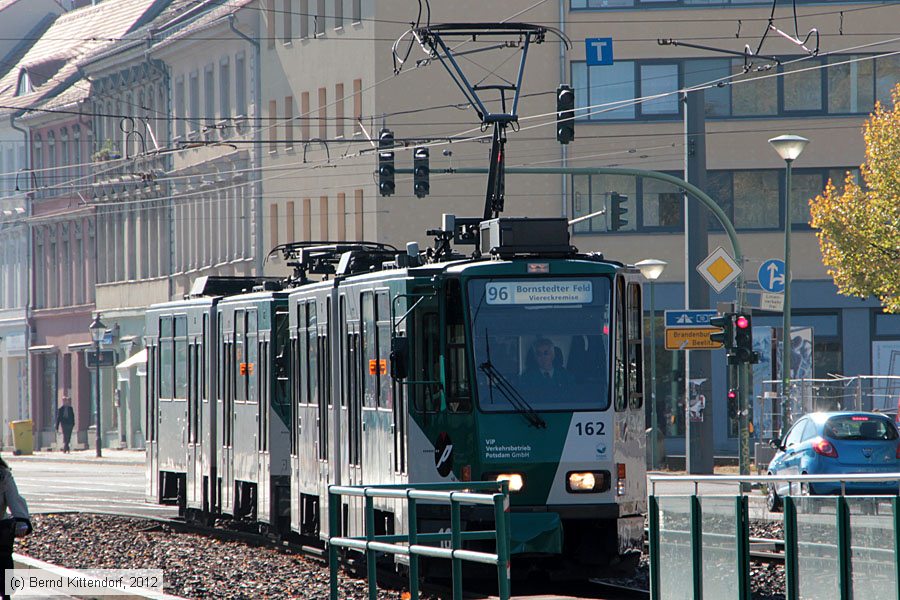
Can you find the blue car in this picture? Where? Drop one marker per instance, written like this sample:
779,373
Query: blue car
836,443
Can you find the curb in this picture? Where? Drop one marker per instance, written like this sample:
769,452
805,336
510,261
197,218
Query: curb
26,562
112,460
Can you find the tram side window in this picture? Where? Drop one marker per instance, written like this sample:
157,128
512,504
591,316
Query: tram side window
204,360
252,369
620,372
635,347
313,356
369,350
427,394
181,362
383,369
240,356
459,394
166,359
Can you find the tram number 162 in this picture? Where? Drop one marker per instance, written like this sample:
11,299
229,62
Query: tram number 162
590,428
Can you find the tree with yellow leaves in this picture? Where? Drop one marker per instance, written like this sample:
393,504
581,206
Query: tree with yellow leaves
859,229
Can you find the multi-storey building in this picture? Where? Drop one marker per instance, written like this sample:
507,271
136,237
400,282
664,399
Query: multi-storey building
49,101
16,16
212,67
130,96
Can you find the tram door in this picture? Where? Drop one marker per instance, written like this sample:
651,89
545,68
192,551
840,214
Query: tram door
628,393
226,389
194,478
263,462
152,488
325,419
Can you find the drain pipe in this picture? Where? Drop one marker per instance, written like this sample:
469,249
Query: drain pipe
29,272
257,220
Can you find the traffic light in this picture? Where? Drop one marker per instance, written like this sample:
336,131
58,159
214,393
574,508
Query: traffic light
733,404
617,210
565,114
421,171
725,337
743,340
386,184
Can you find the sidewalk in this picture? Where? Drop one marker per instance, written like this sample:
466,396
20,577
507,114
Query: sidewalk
110,456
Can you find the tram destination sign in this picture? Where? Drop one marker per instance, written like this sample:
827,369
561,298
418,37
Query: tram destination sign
539,292
691,338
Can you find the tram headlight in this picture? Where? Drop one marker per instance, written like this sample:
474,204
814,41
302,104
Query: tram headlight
587,482
516,481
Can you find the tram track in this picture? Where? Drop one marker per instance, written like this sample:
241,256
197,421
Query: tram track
224,535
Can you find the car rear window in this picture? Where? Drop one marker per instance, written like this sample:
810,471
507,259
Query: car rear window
860,427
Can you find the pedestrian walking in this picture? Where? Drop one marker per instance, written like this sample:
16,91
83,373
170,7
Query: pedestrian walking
65,421
15,524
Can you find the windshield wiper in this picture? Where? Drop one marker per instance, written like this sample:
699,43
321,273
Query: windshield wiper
508,390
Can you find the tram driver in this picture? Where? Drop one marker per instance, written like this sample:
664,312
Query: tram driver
546,375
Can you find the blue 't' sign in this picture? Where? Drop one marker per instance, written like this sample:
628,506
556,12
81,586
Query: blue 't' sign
599,51
771,276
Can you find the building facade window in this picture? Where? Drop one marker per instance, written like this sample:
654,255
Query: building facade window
357,106
287,14
224,89
289,122
357,10
240,85
645,90
751,199
194,93
273,126
209,97
304,116
620,4
323,113
304,19
338,14
339,110
320,17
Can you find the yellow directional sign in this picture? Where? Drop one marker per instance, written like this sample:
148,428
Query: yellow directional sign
691,338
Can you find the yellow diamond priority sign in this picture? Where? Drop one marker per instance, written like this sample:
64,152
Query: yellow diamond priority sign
719,269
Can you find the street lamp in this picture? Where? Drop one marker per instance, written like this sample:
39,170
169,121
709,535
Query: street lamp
788,147
651,269
97,330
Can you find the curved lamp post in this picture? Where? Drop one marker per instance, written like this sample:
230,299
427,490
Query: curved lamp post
651,269
788,147
97,329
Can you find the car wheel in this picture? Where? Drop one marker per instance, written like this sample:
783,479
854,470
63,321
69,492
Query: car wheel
773,500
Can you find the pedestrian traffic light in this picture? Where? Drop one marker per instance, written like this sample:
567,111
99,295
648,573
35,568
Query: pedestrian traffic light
565,114
617,210
743,340
386,184
725,336
421,171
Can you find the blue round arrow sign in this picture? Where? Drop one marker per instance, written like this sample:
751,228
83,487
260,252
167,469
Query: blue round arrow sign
771,276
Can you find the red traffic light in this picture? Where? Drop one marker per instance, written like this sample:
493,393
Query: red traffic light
742,322
732,394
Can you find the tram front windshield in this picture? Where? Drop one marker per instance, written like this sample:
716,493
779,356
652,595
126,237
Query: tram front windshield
541,344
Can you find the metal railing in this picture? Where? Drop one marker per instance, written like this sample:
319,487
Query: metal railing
679,526
414,544
875,393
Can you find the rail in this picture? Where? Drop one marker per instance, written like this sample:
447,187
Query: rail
414,544
852,553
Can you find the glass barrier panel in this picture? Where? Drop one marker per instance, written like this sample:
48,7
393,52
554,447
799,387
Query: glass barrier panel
874,572
676,581
817,551
720,576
